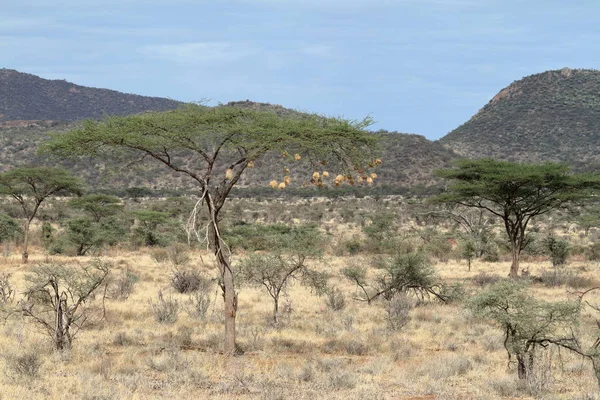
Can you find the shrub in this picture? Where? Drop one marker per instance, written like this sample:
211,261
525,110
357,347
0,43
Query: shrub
26,365
335,299
123,285
165,311
187,281
557,249
7,293
159,255
178,254
484,279
593,252
398,311
197,305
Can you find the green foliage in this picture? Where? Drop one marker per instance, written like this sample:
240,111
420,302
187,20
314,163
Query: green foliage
150,231
558,250
258,237
404,273
98,206
31,186
526,322
515,192
86,233
381,233
9,228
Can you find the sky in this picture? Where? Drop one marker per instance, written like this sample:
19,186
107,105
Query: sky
415,66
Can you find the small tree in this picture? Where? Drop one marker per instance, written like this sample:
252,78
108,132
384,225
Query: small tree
149,224
31,186
557,249
589,219
286,262
9,230
527,323
57,298
404,273
515,192
214,146
468,252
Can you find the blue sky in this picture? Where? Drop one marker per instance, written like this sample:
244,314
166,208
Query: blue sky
417,66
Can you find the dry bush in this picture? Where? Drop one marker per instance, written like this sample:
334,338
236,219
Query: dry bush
188,281
26,364
335,299
563,277
122,286
198,304
398,311
159,255
7,293
178,254
165,310
484,279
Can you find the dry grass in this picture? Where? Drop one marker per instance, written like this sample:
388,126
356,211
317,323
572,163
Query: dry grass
443,351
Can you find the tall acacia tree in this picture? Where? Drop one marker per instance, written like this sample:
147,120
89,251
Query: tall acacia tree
515,192
30,187
213,147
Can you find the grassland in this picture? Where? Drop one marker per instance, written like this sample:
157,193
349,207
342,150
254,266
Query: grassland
442,352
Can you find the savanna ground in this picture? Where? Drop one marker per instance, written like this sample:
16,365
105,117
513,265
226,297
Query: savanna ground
438,351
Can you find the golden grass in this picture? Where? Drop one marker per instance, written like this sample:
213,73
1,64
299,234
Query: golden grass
444,351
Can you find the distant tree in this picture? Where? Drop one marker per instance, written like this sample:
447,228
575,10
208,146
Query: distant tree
98,206
149,223
515,192
589,219
468,251
31,186
99,227
213,147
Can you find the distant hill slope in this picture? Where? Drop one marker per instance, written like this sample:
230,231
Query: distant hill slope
29,97
553,116
408,160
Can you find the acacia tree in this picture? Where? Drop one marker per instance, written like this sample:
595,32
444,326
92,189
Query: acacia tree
515,192
527,323
57,296
31,186
286,262
213,147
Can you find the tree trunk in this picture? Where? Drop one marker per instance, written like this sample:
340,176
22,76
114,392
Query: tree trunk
521,366
230,308
469,263
276,311
596,366
58,330
514,267
25,257
6,250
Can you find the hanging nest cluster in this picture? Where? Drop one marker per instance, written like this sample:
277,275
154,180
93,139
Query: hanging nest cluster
320,179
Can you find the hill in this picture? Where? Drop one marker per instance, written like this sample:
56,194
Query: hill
551,116
29,97
408,160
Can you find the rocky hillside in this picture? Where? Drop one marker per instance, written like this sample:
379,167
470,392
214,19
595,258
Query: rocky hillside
552,116
29,97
